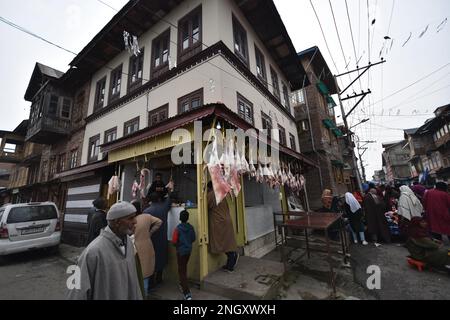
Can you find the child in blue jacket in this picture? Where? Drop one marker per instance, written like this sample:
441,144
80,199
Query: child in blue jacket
183,237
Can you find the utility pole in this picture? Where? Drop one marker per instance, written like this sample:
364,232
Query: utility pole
362,95
364,148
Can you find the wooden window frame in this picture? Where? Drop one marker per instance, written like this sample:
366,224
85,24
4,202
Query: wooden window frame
157,71
190,97
70,108
138,62
241,41
116,74
282,136
157,112
275,83
71,163
263,77
293,142
192,48
97,104
108,132
61,162
92,141
51,96
266,119
286,97
241,98
130,123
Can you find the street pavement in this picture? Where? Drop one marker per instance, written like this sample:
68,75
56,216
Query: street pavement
42,275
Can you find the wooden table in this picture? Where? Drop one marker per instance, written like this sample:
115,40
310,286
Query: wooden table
313,221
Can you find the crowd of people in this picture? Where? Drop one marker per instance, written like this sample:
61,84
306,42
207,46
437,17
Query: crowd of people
415,215
127,246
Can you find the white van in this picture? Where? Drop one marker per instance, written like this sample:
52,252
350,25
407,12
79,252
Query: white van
29,226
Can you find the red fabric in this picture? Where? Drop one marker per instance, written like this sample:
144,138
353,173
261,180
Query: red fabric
437,205
175,236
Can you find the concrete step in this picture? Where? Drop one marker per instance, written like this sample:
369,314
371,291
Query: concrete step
253,279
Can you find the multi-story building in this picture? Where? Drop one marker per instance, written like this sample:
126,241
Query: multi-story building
113,112
395,162
429,145
319,135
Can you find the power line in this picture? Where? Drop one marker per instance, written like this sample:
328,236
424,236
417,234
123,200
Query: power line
34,35
323,35
390,19
415,82
109,6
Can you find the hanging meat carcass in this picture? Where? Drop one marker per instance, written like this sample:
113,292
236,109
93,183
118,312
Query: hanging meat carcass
235,181
220,184
252,168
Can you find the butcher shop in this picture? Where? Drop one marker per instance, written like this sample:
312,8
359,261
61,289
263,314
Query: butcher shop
253,191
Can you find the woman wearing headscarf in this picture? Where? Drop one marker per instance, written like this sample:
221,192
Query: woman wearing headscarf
421,247
354,213
409,206
377,224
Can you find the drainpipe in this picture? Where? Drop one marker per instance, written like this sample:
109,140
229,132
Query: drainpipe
312,140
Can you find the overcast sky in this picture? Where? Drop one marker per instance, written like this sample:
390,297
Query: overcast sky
73,23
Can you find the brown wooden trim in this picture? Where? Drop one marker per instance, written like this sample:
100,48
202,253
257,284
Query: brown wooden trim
191,96
113,73
133,86
91,141
158,111
240,97
263,78
282,132
109,131
193,49
97,105
164,66
236,23
276,91
217,49
128,123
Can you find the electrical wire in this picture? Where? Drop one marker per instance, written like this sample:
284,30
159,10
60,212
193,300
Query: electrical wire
390,19
12,24
109,6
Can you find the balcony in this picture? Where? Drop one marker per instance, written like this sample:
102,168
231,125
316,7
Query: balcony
11,148
48,130
8,155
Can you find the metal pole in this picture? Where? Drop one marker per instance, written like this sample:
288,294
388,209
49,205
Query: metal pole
349,136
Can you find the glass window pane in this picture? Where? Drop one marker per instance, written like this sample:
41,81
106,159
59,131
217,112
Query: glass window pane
195,103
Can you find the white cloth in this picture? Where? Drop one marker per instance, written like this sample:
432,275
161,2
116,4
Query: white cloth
409,206
352,202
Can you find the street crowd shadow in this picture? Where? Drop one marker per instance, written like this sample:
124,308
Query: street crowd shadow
29,256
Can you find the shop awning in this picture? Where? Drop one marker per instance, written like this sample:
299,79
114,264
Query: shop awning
328,123
323,88
331,102
338,133
144,142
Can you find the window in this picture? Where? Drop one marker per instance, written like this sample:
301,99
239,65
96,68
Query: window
245,109
158,115
78,108
100,94
260,66
282,135
136,70
44,171
53,106
190,101
298,97
66,108
303,126
276,86
190,34
286,103
62,162
116,80
111,135
131,126
240,41
266,123
94,148
53,165
73,159
293,144
160,54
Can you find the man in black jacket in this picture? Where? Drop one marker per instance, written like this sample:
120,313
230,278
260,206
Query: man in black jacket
97,219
